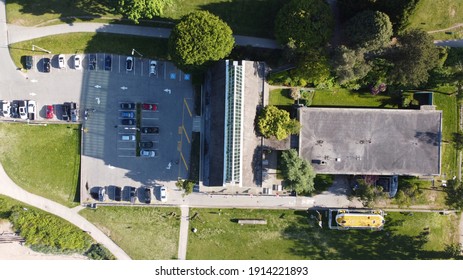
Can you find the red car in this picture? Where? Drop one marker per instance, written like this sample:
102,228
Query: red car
150,107
49,111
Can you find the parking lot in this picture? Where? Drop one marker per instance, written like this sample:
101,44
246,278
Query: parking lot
110,156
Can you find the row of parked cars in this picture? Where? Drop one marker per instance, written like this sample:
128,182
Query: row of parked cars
77,63
128,117
129,193
23,109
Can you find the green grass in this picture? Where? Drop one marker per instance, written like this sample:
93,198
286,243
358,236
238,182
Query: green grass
280,97
144,233
340,97
292,235
253,18
32,12
91,42
43,160
445,13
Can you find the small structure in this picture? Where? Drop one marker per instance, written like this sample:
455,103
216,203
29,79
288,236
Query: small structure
252,221
356,219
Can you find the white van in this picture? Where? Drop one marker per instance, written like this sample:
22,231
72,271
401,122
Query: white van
130,137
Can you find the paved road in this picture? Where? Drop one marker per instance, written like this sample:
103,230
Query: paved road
21,33
9,188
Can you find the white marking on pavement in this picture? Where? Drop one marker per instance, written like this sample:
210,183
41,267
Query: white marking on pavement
169,165
97,86
97,100
34,81
167,91
124,88
110,166
33,94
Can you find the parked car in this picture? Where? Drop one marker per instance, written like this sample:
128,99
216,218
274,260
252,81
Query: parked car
92,62
102,194
29,62
107,63
153,70
147,153
31,109
117,193
127,106
6,108
49,111
163,194
150,107
46,65
14,111
153,130
74,114
77,62
127,114
61,61
128,121
132,194
147,195
146,144
128,137
66,111
129,63
22,109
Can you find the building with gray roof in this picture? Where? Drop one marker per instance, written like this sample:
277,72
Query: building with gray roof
371,141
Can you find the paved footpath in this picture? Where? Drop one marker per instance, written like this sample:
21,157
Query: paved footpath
184,226
9,188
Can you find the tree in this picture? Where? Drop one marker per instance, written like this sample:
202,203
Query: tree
413,58
350,66
186,185
313,67
200,37
304,24
298,173
275,122
136,9
454,192
370,30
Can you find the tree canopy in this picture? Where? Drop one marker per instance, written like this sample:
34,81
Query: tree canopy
200,37
298,173
350,66
275,122
137,9
304,24
413,57
368,29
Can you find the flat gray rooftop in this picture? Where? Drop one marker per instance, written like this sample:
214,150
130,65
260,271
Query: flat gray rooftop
371,141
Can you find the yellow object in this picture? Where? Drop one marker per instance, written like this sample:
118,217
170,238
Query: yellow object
359,220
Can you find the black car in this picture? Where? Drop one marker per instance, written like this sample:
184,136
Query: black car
107,63
66,108
29,62
46,65
117,193
154,130
127,106
128,121
92,62
147,195
146,145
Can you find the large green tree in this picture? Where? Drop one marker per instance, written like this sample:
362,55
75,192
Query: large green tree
350,66
137,9
304,24
200,37
370,30
413,57
277,123
298,173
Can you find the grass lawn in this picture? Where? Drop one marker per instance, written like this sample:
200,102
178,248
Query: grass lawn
292,235
253,18
44,160
144,233
445,13
340,97
91,42
280,97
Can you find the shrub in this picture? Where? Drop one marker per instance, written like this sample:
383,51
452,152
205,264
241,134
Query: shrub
99,252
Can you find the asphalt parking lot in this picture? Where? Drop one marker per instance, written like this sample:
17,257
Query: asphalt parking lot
107,159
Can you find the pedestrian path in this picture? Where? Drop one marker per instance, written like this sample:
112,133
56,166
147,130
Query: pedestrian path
184,226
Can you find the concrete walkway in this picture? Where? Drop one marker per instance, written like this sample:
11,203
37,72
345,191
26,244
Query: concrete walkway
9,188
18,33
184,226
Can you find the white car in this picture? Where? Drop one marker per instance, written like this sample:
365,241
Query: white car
77,62
6,107
129,63
153,65
22,110
163,194
31,109
147,153
61,61
128,137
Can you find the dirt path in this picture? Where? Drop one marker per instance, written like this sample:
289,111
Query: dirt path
455,26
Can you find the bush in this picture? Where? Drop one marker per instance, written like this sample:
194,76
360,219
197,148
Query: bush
47,233
99,252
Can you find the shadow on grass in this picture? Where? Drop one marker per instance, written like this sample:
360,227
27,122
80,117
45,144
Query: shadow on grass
313,242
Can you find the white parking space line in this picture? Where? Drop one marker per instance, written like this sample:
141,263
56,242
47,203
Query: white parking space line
165,70
125,156
141,65
125,149
150,118
119,64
